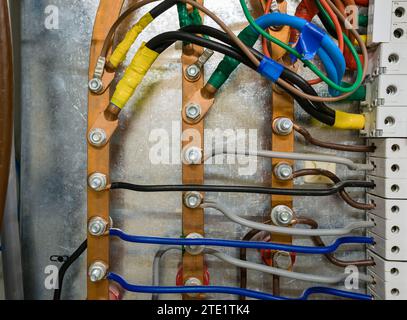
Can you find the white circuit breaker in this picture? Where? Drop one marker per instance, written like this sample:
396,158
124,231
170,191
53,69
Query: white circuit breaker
385,109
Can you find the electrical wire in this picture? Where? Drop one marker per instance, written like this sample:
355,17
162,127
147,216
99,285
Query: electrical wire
335,179
65,267
291,156
329,145
229,290
241,189
239,244
288,231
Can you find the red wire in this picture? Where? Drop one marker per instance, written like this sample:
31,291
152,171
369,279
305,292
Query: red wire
265,46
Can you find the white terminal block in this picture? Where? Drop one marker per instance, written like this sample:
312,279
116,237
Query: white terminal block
389,148
389,249
389,209
389,59
389,188
387,21
387,91
388,168
390,279
386,122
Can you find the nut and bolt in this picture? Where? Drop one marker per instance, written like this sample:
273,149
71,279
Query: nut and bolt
194,250
193,200
193,282
193,155
282,260
96,85
97,227
193,72
97,271
97,181
282,215
193,111
283,126
283,171
97,137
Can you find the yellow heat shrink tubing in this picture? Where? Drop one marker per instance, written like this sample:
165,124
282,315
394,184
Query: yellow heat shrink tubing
120,53
142,62
349,121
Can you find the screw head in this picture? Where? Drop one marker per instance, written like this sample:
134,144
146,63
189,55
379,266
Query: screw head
282,215
193,111
97,271
283,171
194,250
282,260
193,200
193,155
97,181
283,126
193,282
96,85
97,137
97,227
193,72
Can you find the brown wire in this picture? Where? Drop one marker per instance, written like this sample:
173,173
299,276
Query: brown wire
334,146
335,179
363,47
316,240
193,3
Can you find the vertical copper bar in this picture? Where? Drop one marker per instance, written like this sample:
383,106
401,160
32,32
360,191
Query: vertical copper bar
6,106
99,159
192,219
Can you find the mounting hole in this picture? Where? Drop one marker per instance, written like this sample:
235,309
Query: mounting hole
389,121
395,292
400,12
395,271
395,168
394,58
395,148
395,230
395,188
395,250
395,209
398,33
391,90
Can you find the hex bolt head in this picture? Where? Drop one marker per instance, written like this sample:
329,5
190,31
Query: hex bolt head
283,171
193,282
96,85
97,226
193,72
283,126
97,271
194,250
282,260
193,111
97,181
193,156
193,200
97,137
282,215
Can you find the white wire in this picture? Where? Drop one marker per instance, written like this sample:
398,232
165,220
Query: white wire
293,156
289,231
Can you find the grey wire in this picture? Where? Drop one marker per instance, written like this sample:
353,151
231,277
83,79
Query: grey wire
256,267
293,156
288,231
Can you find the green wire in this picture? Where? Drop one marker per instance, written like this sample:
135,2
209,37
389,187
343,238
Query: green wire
308,63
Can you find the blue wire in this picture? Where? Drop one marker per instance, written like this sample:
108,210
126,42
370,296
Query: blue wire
230,290
240,244
328,47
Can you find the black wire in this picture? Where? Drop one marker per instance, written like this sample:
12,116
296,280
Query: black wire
243,189
162,8
64,268
160,43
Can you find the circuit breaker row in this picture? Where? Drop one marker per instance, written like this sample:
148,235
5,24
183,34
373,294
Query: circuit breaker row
386,112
